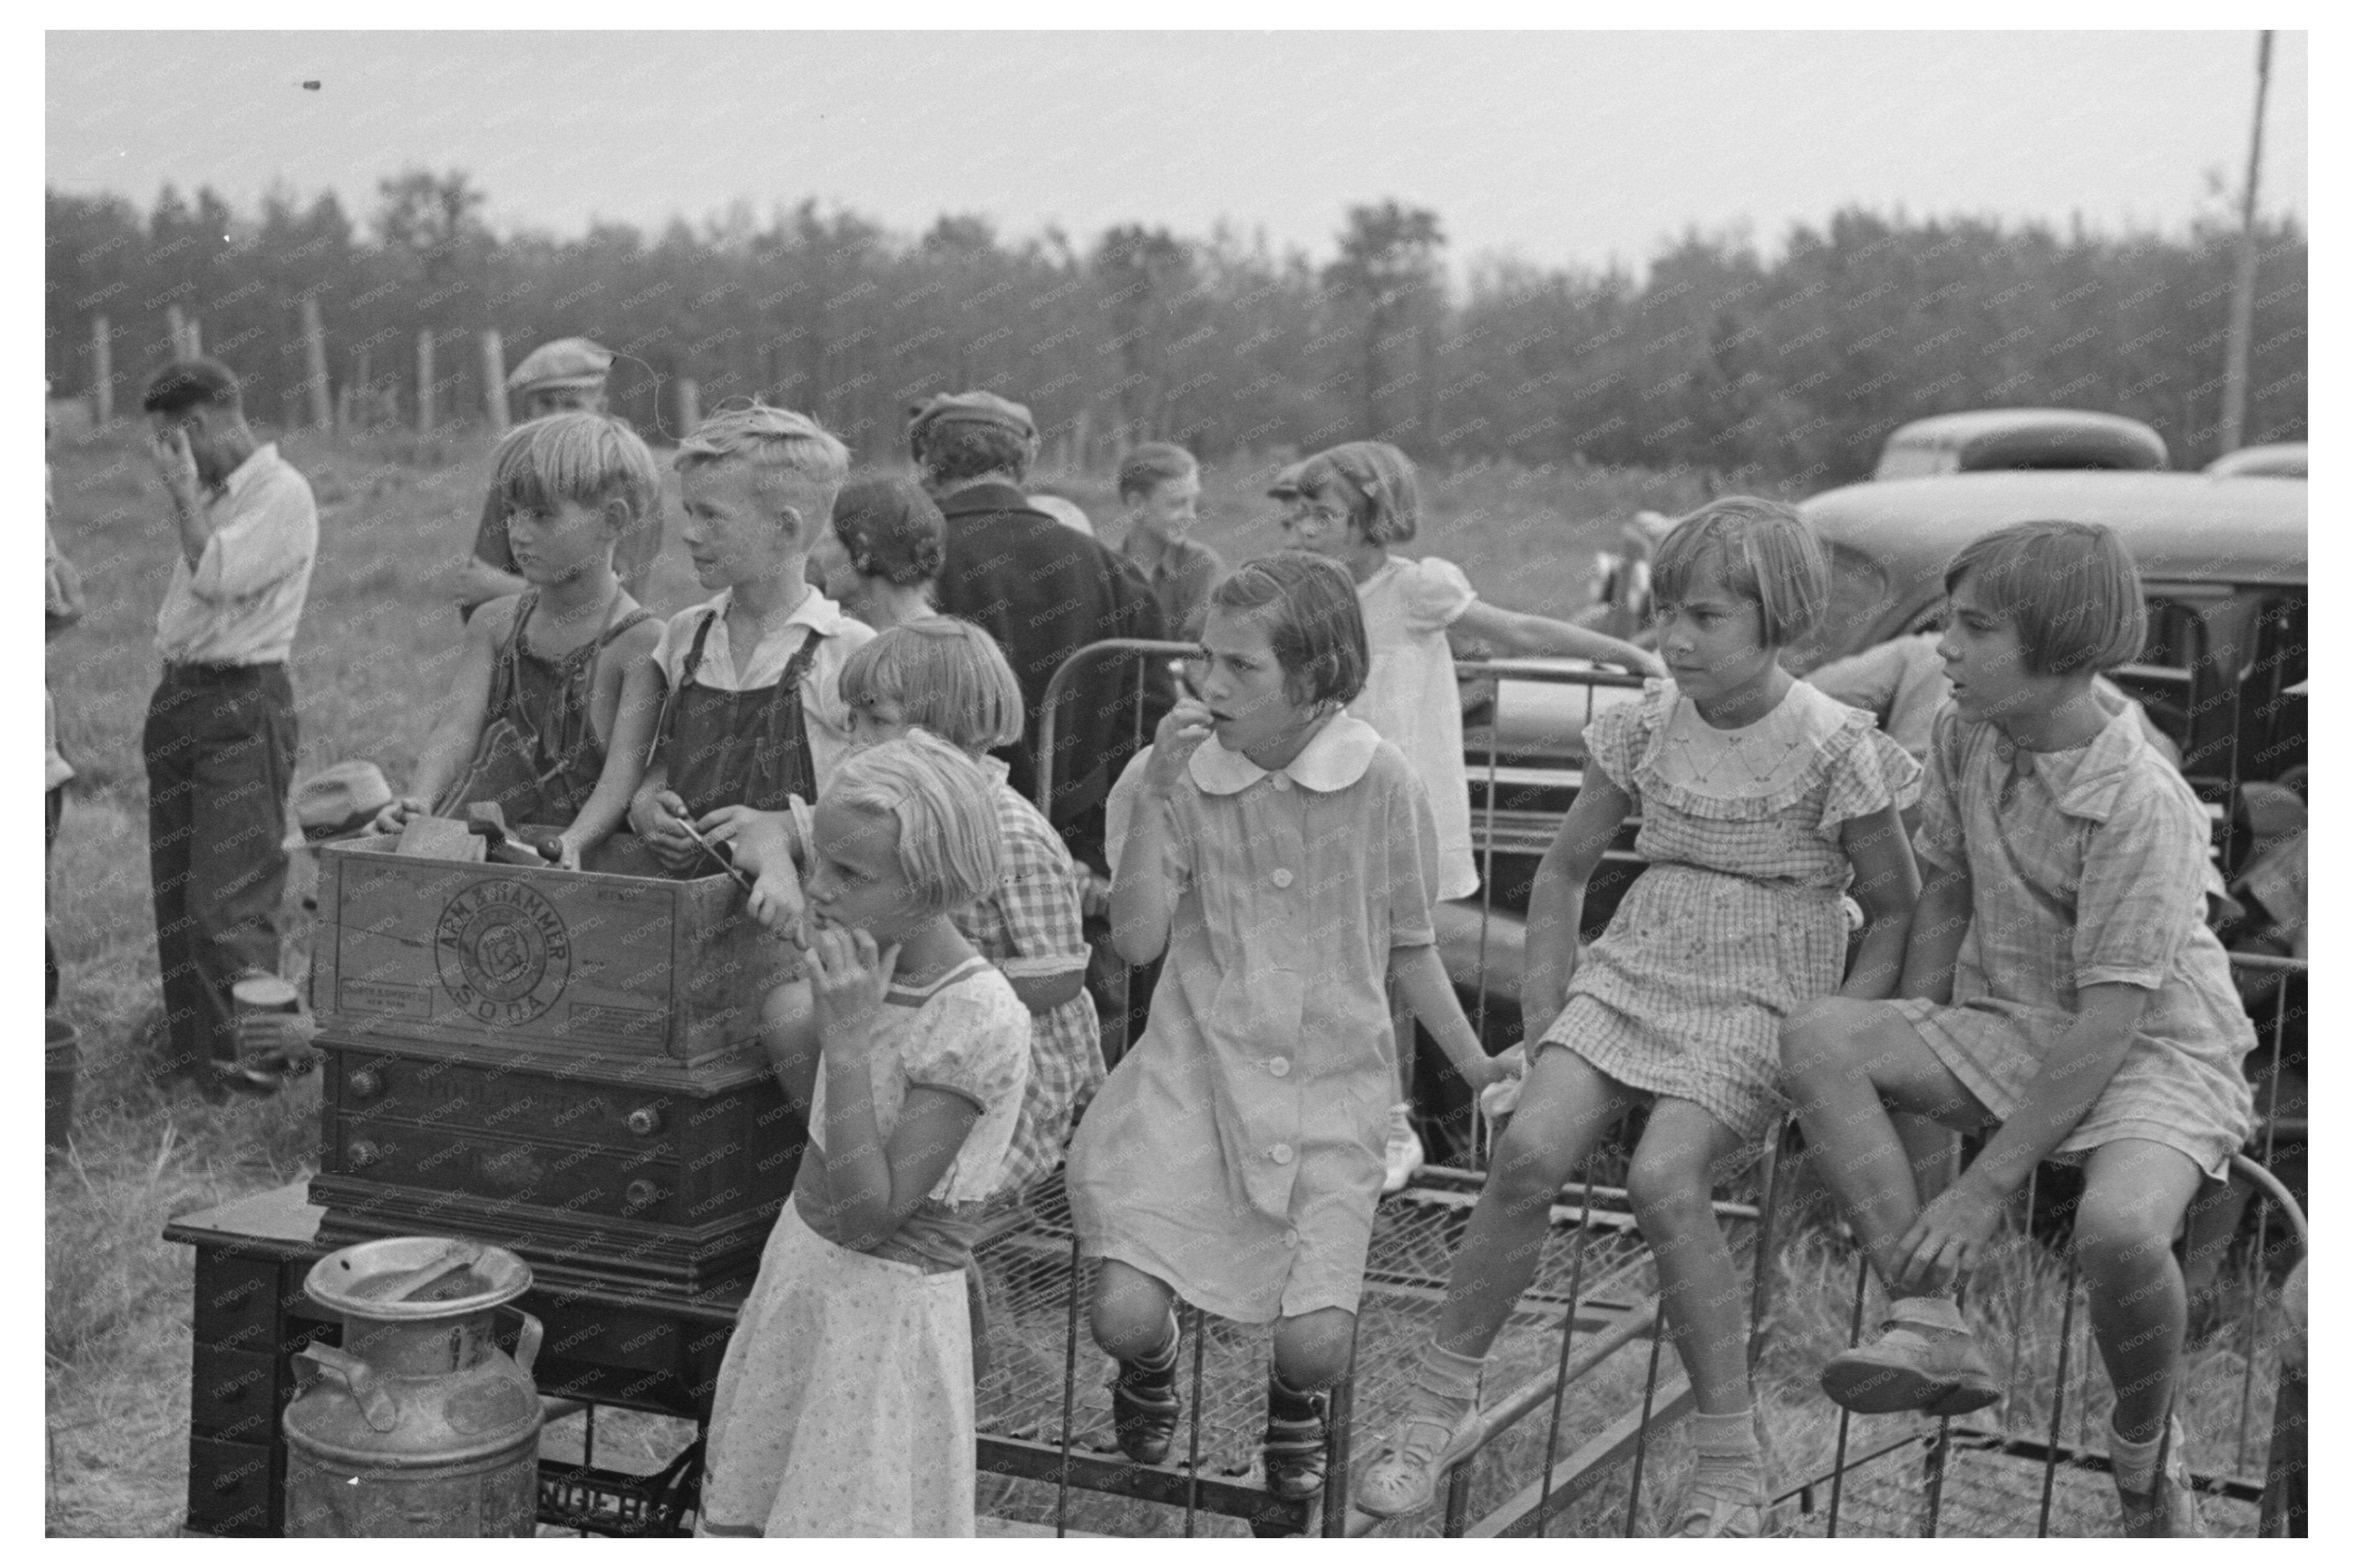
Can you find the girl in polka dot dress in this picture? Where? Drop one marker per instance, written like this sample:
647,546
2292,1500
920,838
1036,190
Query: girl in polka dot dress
1762,804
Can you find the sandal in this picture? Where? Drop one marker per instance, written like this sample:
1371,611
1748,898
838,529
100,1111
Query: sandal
1403,1475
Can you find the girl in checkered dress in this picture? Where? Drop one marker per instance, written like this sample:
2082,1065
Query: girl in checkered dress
2062,994
1762,802
948,676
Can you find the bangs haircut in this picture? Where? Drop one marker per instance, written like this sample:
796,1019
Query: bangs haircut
1374,482
949,850
945,674
1313,618
2071,589
1152,464
585,458
1764,551
786,452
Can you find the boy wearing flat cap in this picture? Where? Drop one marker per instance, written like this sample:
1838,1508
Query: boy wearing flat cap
559,378
1043,590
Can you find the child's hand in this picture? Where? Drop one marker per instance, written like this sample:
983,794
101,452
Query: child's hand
847,980
398,815
568,852
1182,730
777,904
1502,1091
758,841
658,822
1947,1241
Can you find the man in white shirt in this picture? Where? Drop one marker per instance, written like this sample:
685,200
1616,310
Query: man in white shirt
220,732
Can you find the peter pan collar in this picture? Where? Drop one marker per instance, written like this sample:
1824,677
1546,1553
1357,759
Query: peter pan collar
1336,758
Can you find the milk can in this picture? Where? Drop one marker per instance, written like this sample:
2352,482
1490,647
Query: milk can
419,1424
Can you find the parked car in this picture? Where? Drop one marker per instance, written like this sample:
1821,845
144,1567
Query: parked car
1984,438
2225,566
2277,460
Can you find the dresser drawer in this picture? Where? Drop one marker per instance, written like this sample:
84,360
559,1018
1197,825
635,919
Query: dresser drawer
229,1490
506,1171
233,1395
514,1104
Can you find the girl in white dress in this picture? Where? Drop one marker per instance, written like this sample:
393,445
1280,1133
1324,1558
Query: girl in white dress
845,1402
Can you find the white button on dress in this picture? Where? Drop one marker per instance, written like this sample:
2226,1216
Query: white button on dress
1281,877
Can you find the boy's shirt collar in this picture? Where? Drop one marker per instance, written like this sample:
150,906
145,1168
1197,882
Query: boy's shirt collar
815,611
1336,758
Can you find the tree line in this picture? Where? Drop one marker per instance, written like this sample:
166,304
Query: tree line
1791,368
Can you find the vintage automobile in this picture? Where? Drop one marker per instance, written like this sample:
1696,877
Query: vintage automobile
2224,562
1983,439
2275,461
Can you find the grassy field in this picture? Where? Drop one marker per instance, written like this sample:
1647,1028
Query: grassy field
372,659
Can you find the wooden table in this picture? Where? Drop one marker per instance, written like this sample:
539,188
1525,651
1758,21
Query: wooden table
640,1349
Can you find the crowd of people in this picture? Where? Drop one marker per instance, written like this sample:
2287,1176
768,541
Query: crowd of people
1878,908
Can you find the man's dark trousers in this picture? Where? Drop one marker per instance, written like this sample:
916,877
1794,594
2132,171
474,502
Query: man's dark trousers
220,744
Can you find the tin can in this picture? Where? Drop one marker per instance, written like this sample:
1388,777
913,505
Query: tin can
264,1048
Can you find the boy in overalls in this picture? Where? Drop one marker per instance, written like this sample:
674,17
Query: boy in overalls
747,686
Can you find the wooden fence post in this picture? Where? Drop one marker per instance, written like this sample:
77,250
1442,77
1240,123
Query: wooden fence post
494,380
102,370
314,356
363,413
175,326
425,381
195,338
690,403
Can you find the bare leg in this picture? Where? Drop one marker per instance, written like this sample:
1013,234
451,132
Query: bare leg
2135,1194
1130,1313
1683,1151
1311,1351
1564,1110
1844,1065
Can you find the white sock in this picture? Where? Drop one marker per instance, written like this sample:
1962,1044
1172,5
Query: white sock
1929,1312
1729,1436
2135,1463
1447,1381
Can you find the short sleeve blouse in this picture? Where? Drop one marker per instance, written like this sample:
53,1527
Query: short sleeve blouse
967,1036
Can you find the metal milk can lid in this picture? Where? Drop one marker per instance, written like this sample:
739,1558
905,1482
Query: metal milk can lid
412,1278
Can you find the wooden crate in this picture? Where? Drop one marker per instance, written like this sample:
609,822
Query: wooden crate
617,964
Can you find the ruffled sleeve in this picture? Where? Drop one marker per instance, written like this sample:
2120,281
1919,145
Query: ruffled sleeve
1868,773
1435,594
1620,738
972,1040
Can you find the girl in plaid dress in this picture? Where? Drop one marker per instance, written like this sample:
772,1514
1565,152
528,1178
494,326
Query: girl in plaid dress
948,676
2062,991
1762,802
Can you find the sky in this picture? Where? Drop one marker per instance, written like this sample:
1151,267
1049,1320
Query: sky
1575,150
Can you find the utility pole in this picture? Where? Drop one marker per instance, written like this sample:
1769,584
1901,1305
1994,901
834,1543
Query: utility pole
2242,299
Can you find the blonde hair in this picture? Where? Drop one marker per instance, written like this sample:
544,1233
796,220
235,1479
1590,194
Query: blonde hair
789,453
949,849
2071,589
585,458
1373,479
945,674
1767,554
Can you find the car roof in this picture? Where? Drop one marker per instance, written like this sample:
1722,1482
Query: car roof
1982,432
2195,528
2277,459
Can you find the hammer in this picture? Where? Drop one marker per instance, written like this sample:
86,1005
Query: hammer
487,819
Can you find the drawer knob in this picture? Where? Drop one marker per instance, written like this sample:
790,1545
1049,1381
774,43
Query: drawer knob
365,1083
645,1121
362,1152
641,1194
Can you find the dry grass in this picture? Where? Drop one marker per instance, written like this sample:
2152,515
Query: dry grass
371,659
